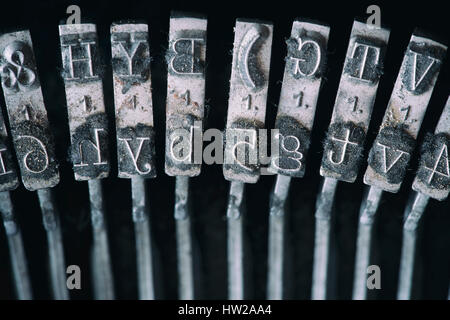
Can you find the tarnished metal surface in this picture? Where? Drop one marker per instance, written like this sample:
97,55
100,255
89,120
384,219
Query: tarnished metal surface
33,141
135,134
413,213
391,151
143,238
324,205
246,114
275,259
303,74
354,102
50,220
185,103
433,176
88,123
268,261
186,290
432,181
88,126
344,144
235,242
133,100
367,214
393,146
247,99
101,260
185,108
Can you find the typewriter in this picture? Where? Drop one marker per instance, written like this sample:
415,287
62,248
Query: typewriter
200,150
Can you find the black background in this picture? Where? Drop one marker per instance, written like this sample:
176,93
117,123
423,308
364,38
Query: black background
209,190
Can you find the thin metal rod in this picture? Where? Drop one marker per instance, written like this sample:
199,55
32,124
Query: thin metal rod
367,213
275,259
414,211
324,205
235,247
101,261
16,250
50,219
143,239
184,239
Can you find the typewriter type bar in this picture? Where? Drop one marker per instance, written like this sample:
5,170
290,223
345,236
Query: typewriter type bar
432,178
389,156
88,126
343,146
396,140
186,57
246,115
135,134
30,131
8,182
33,141
305,64
432,181
133,101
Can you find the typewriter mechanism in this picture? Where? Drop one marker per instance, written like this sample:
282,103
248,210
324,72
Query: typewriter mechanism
157,150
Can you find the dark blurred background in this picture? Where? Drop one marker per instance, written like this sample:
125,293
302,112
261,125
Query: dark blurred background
209,190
